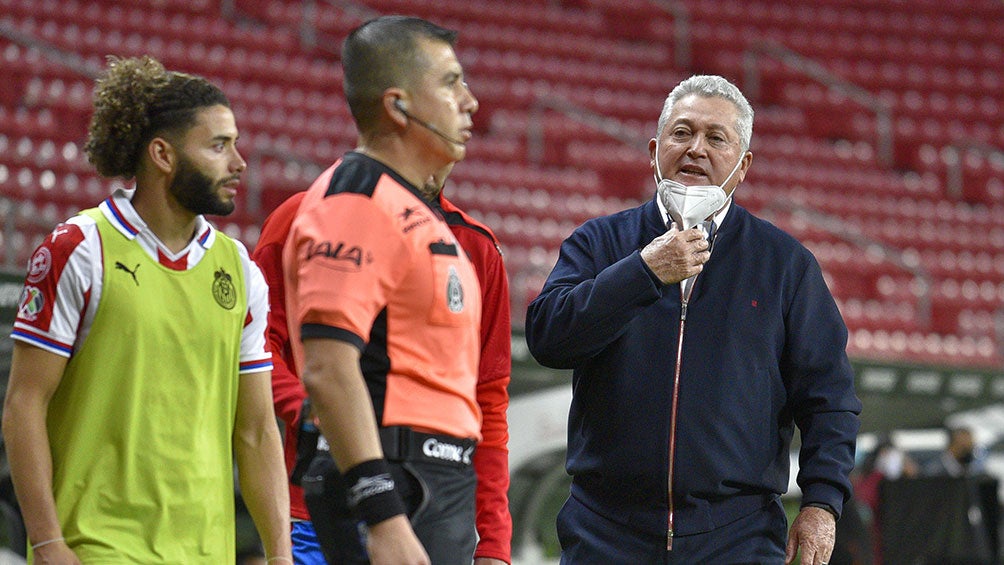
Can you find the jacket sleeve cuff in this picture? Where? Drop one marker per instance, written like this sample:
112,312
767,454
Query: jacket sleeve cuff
493,521
824,496
651,275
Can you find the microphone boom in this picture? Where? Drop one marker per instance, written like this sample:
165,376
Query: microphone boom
428,126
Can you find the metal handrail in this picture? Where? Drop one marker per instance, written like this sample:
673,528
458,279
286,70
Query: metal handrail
254,179
840,228
999,329
951,156
13,221
309,34
8,209
813,69
76,64
535,124
681,30
72,61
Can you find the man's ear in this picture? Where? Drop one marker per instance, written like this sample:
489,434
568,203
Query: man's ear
745,167
162,154
746,161
395,107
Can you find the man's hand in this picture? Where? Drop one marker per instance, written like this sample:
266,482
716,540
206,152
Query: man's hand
393,542
815,532
676,255
56,553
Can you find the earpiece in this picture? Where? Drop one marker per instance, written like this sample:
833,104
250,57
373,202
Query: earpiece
400,107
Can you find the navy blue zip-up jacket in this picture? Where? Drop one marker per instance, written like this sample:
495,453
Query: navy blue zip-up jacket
763,351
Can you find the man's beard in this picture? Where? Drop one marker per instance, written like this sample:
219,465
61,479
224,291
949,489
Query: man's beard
196,192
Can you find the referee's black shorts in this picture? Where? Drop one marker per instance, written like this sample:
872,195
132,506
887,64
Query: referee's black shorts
435,478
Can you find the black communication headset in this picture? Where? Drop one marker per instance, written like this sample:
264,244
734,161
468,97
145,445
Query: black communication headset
400,106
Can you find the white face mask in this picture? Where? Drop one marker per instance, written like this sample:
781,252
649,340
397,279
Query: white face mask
688,206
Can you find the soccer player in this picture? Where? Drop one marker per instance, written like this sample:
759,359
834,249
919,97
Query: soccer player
139,370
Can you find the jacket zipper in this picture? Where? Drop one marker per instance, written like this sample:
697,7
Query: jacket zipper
684,301
672,417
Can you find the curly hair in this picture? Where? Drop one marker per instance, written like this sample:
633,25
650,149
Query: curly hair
135,100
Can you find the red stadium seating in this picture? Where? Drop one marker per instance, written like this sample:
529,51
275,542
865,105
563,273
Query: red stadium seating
889,237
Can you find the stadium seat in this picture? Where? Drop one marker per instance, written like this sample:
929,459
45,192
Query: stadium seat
817,164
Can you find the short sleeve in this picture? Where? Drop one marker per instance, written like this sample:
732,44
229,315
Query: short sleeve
63,278
349,255
254,354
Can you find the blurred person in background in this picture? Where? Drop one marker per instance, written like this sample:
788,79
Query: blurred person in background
959,457
139,372
886,463
694,360
494,524
491,458
288,394
383,305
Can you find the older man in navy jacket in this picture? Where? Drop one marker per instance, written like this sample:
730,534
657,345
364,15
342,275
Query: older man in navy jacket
700,336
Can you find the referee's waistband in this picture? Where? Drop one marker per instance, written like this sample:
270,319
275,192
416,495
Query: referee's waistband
401,443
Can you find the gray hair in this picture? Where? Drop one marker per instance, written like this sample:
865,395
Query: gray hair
710,86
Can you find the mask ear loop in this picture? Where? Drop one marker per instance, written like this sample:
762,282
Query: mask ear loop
658,169
658,175
734,170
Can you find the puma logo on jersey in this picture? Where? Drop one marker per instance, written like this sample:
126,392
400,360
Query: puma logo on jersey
132,273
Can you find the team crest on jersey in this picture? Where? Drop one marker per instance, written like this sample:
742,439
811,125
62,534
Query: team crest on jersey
454,291
31,304
224,291
39,265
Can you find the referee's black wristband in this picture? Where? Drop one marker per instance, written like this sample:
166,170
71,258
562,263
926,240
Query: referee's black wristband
371,494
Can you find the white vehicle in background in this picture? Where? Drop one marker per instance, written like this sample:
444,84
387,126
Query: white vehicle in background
538,422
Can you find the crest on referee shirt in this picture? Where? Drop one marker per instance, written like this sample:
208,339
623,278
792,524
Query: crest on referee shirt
223,290
454,291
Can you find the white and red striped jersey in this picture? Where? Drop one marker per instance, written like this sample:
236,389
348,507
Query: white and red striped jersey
63,286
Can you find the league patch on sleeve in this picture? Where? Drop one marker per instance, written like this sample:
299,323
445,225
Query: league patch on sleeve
45,268
31,304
